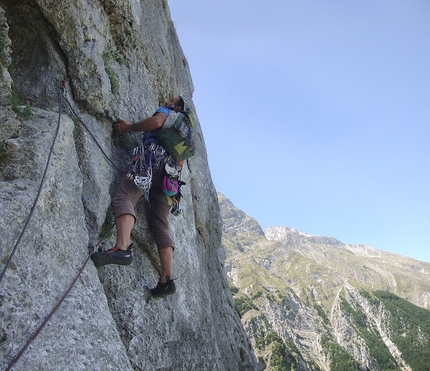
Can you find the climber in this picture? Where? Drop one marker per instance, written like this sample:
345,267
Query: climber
148,178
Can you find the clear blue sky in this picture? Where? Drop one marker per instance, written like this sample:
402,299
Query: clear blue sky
316,113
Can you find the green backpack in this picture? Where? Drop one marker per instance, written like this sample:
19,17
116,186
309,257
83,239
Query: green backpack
177,137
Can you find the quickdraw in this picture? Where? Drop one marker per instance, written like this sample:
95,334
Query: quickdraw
147,158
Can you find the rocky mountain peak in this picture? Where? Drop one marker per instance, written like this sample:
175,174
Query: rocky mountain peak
235,221
292,237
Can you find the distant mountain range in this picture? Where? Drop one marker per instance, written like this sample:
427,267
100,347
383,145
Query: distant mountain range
314,303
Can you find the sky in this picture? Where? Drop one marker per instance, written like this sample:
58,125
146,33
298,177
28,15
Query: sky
315,114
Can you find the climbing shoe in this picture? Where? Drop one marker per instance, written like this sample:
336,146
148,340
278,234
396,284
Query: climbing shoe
113,256
164,289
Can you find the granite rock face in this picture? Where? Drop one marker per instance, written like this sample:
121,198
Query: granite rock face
120,59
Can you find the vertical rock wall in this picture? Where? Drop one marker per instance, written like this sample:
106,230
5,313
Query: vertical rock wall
120,59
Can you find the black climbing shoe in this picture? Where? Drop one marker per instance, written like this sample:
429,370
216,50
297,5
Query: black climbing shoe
164,289
113,256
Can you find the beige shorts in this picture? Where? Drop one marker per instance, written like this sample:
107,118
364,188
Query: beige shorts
125,200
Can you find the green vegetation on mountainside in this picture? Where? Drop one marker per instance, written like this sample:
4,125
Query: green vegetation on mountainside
378,351
410,329
270,348
340,359
306,305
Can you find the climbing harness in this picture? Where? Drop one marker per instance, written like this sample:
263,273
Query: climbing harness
140,170
149,157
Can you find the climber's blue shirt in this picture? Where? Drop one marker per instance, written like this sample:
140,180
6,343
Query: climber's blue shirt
163,109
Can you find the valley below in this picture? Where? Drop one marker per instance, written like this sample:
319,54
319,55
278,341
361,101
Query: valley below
314,303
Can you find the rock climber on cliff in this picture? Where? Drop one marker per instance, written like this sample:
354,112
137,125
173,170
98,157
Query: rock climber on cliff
146,175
